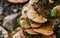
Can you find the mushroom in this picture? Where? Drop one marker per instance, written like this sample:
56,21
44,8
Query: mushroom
17,1
52,36
30,31
35,25
33,15
51,1
24,10
47,30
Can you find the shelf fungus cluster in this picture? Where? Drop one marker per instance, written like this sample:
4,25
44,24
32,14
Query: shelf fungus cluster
33,18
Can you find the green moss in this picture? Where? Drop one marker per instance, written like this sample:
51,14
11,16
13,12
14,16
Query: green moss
24,23
30,21
58,26
18,20
35,0
53,12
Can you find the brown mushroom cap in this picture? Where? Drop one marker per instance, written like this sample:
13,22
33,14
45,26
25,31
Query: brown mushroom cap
35,25
47,30
17,1
52,36
30,31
